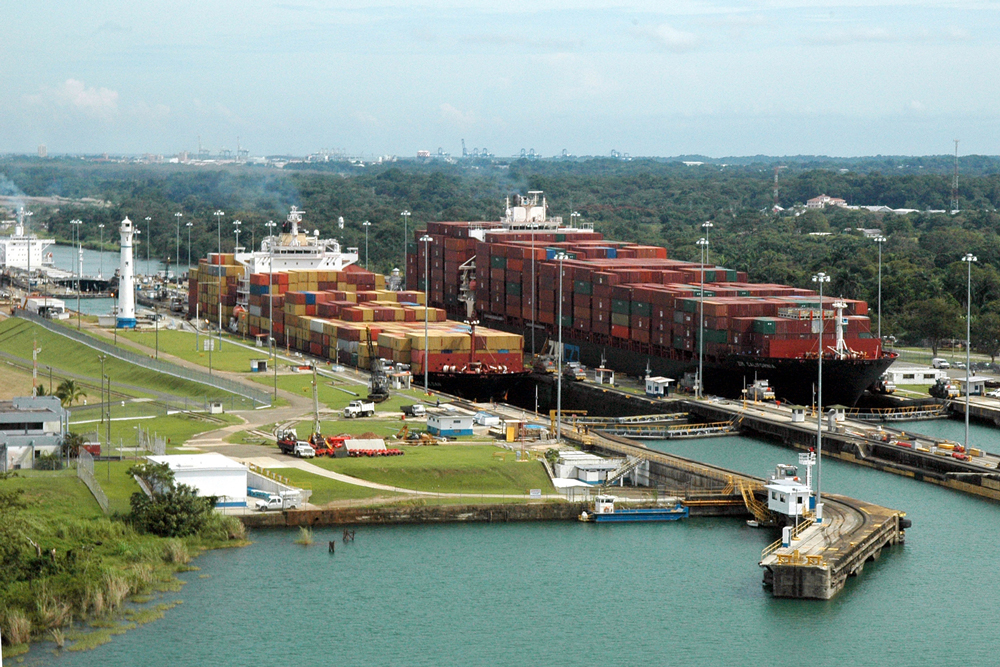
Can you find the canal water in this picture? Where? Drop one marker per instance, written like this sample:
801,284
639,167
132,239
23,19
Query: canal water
104,263
685,593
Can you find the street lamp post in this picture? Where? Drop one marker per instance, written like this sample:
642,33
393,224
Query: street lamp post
189,225
177,249
969,258
879,240
79,266
270,302
426,240
707,226
100,272
236,230
366,225
703,244
218,228
820,278
406,217
560,256
149,241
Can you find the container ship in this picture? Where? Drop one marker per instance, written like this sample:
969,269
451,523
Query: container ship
634,307
309,296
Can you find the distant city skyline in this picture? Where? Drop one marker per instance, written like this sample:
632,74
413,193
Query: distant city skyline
838,78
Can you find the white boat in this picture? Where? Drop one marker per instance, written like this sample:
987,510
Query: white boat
21,250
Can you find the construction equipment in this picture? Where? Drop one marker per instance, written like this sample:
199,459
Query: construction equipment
378,383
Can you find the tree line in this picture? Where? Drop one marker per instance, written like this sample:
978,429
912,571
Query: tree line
662,202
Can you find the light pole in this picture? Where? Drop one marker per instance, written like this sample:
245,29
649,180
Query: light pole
177,249
100,272
426,240
969,258
707,226
270,301
366,225
560,256
79,268
820,278
218,225
703,244
406,218
879,240
149,241
189,225
236,226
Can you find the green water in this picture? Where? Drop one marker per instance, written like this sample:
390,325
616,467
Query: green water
685,593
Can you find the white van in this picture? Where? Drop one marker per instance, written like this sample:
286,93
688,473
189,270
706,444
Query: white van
938,362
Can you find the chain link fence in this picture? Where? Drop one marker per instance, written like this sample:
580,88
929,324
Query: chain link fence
257,396
85,471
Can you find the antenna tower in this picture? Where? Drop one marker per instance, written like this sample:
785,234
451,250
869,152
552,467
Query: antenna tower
954,182
776,170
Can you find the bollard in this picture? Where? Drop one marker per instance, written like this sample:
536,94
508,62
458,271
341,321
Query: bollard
333,547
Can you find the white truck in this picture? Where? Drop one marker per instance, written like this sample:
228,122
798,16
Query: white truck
359,409
284,501
938,362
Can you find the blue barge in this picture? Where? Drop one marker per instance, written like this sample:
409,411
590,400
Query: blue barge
605,512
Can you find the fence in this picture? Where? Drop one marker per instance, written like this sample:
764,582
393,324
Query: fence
85,471
155,444
258,396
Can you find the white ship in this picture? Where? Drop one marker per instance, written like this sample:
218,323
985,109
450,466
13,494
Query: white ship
24,251
292,249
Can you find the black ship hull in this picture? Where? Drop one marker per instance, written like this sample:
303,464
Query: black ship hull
793,380
476,387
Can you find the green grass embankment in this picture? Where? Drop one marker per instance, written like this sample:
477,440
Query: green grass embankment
190,347
469,469
86,566
335,394
66,356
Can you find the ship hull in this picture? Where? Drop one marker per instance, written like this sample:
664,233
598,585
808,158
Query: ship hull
793,380
477,387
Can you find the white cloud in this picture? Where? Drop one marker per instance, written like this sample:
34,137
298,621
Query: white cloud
454,115
669,37
75,96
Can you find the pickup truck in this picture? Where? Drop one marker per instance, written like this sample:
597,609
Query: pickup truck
299,448
416,410
359,409
276,502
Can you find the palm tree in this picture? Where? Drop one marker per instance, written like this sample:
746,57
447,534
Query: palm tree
40,390
69,393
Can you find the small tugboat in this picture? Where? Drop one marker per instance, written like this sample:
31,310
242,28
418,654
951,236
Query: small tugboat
605,512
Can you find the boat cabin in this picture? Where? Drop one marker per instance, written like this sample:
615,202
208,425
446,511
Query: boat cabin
604,505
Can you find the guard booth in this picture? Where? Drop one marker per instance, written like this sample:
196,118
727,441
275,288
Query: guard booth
798,413
604,376
215,408
976,385
258,365
658,386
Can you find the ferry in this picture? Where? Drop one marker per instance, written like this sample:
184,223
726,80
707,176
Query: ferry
606,512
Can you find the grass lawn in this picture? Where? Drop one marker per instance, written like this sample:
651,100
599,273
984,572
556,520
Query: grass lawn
17,337
383,428
116,483
17,382
176,428
332,394
185,345
446,469
54,495
327,490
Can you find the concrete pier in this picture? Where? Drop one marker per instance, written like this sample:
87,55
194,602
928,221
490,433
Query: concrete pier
820,558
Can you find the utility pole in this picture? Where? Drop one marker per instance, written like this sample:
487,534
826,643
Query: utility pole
954,182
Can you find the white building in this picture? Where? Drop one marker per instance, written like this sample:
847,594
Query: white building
823,201
210,475
448,423
30,426
585,467
787,493
657,385
915,374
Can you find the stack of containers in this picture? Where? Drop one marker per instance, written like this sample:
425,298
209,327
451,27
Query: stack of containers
630,295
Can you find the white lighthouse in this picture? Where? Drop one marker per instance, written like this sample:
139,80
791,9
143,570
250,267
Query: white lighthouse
126,289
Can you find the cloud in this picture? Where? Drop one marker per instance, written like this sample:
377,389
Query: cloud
669,38
454,115
863,34
75,96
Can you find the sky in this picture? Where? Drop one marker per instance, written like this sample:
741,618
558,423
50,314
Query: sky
392,77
